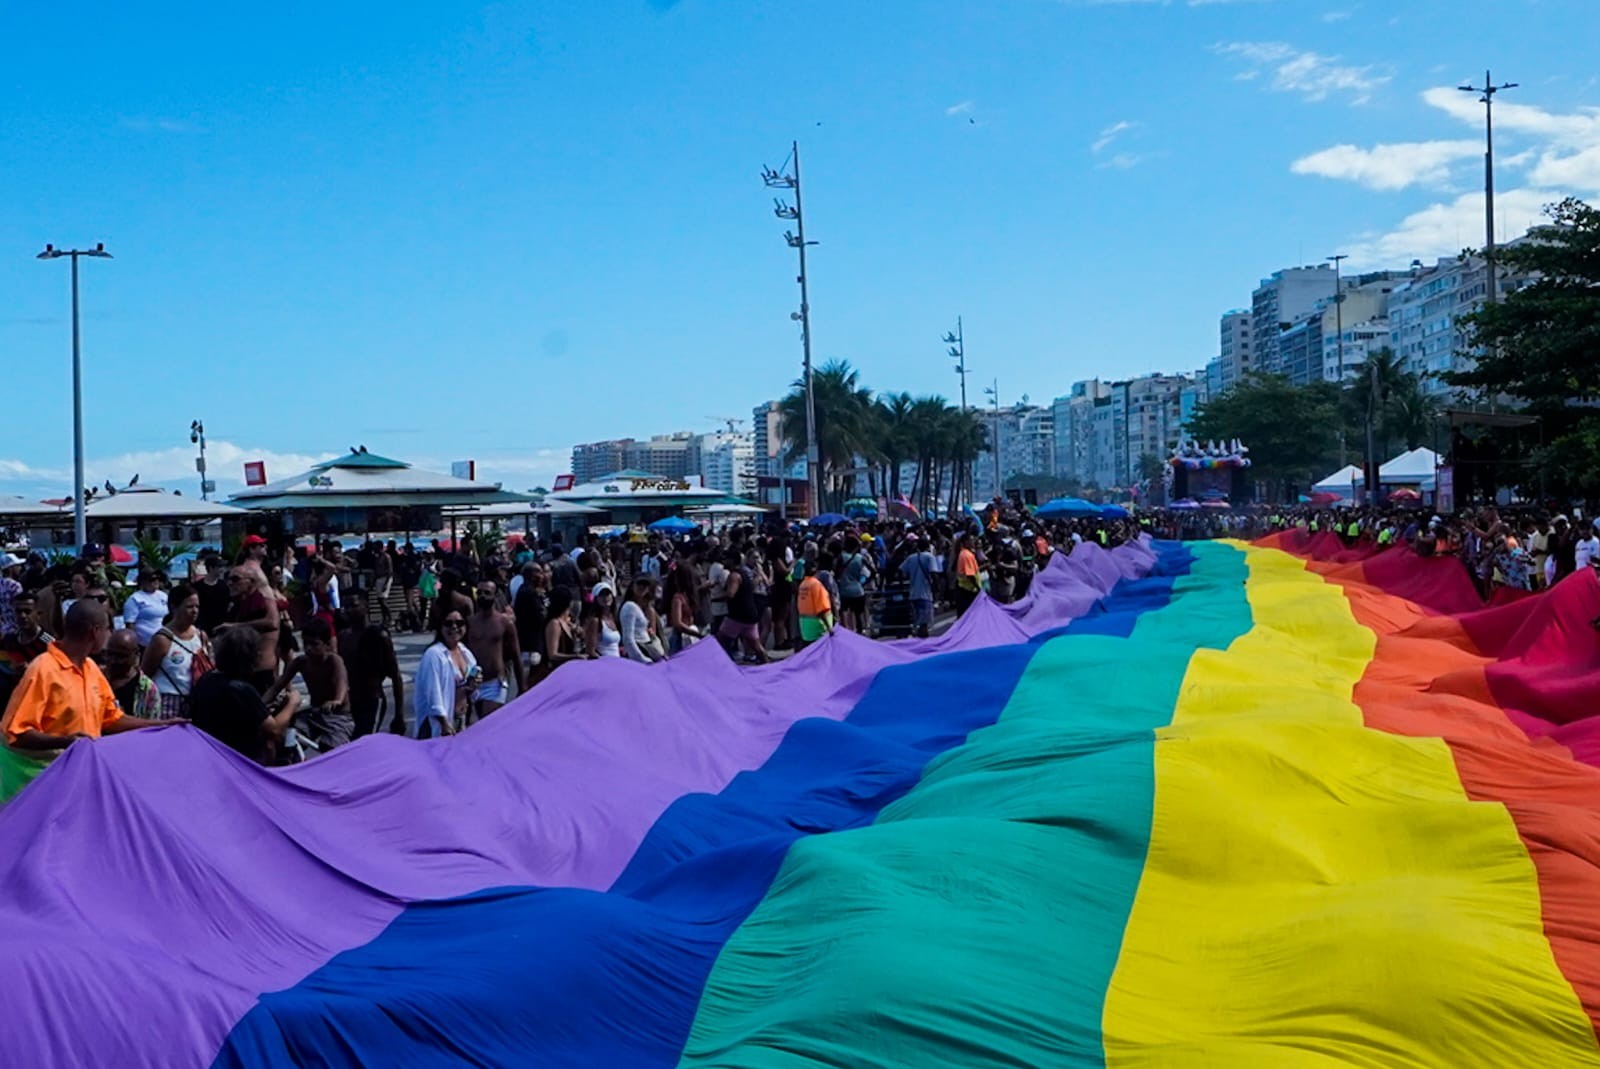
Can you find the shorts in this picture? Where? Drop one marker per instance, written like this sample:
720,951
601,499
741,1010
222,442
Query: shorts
733,630
492,690
856,603
812,628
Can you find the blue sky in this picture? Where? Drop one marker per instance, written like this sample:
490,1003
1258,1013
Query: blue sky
489,231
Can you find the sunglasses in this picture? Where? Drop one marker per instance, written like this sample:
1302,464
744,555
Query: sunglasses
98,597
450,625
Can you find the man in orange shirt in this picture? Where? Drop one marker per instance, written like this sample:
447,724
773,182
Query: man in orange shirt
967,587
63,696
814,606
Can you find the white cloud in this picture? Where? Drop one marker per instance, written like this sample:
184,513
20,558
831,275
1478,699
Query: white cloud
1445,229
966,107
1392,166
1120,161
170,468
1313,76
1110,134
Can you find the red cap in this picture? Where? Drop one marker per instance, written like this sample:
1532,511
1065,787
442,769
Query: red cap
254,540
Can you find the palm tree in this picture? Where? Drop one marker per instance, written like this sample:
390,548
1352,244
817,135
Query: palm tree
1412,413
843,425
893,427
1385,370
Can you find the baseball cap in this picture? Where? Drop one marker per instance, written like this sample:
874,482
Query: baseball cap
598,587
92,550
254,540
10,560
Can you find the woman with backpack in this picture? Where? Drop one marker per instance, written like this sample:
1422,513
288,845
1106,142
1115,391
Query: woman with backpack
179,653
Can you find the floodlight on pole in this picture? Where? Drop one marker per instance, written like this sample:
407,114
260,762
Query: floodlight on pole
1486,96
788,177
957,341
80,526
993,392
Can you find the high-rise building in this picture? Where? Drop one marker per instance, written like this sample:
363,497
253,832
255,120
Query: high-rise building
1425,310
1283,298
1073,417
1025,436
1300,348
1236,352
727,463
1146,420
766,428
593,461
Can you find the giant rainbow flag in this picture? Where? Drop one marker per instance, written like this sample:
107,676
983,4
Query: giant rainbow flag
1214,805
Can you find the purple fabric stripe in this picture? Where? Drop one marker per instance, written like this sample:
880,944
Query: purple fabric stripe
167,883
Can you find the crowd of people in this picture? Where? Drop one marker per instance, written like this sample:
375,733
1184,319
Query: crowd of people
289,649
1518,549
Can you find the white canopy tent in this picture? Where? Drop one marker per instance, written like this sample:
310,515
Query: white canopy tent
1413,468
1342,482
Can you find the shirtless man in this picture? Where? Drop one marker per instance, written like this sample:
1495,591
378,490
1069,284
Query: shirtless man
327,684
492,638
256,607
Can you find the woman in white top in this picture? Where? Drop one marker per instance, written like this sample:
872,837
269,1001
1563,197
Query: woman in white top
446,678
145,608
601,635
637,638
171,653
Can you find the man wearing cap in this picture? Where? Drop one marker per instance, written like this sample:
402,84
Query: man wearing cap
10,588
254,548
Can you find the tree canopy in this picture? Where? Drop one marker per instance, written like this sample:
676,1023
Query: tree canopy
1540,343
856,429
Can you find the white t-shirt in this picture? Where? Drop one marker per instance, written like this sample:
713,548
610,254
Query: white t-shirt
143,613
1586,551
719,587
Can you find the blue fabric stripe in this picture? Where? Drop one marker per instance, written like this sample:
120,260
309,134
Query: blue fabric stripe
556,977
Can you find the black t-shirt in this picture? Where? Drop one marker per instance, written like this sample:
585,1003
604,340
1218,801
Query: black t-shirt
213,605
366,652
530,610
230,711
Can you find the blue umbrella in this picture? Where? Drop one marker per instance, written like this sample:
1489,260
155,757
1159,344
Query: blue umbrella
674,525
828,519
1114,512
1067,507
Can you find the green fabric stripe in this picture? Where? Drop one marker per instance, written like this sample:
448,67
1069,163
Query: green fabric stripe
978,921
16,772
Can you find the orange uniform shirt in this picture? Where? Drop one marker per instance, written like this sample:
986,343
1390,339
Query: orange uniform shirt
58,697
813,599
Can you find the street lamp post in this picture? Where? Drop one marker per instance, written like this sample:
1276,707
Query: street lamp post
1338,315
790,179
957,341
80,528
1488,89
197,436
993,391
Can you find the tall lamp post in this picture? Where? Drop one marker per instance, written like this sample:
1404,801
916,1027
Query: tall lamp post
1338,315
197,436
957,341
993,392
80,527
1488,89
788,177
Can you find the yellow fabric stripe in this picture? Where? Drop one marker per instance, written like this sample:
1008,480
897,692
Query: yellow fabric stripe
1318,893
